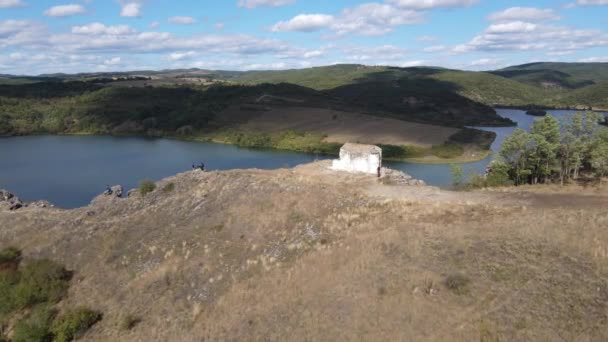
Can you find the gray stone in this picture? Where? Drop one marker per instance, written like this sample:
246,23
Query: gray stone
40,204
115,191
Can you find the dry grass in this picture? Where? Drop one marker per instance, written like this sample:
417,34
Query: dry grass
308,254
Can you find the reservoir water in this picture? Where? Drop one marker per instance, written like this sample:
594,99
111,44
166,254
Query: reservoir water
69,171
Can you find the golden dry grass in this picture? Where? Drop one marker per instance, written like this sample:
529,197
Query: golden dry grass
313,255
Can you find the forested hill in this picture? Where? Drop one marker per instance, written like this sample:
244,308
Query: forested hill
538,84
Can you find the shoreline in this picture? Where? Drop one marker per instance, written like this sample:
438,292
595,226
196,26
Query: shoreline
430,160
525,108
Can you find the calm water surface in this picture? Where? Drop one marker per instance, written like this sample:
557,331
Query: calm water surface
70,170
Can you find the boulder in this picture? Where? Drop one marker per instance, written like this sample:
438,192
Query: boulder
10,200
115,191
5,195
40,204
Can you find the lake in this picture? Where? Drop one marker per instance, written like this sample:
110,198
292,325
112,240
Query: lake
69,171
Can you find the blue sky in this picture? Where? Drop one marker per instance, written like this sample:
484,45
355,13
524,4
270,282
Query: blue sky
46,36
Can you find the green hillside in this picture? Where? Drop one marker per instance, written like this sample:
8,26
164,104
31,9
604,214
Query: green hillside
319,78
491,89
557,75
595,96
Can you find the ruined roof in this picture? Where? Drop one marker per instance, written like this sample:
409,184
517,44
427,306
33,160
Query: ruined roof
360,149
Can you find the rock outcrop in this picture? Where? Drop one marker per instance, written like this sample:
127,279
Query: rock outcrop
390,176
11,201
115,191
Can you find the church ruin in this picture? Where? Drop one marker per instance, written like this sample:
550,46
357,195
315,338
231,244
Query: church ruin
359,158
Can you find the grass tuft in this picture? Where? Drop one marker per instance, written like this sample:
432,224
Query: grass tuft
458,283
146,187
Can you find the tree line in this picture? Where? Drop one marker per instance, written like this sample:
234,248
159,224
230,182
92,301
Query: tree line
555,151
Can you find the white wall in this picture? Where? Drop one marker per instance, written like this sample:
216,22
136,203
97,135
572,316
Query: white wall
367,164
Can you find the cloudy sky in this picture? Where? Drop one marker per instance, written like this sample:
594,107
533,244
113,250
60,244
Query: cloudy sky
46,36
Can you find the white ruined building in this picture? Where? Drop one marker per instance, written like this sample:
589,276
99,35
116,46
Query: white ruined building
359,158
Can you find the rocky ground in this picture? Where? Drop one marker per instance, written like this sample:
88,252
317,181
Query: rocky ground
313,254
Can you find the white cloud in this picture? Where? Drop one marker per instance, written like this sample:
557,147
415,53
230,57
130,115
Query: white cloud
374,53
427,39
512,27
313,54
369,19
99,28
591,2
430,4
257,3
485,62
178,56
524,13
219,26
435,48
594,60
304,23
373,19
559,53
11,3
64,10
522,36
112,61
154,25
130,9
409,64
182,20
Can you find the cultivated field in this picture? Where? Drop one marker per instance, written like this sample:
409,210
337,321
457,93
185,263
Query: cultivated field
341,127
310,254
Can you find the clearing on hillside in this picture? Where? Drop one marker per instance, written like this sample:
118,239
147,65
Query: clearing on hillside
342,127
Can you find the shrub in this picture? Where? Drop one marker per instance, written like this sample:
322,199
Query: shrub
9,255
74,323
8,280
457,282
169,187
41,281
146,187
36,327
457,172
129,322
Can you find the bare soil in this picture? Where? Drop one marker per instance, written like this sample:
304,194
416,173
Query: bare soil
310,254
341,127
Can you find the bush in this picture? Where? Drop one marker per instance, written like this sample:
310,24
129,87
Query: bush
9,255
129,322
456,171
458,283
36,327
146,187
169,187
41,281
74,323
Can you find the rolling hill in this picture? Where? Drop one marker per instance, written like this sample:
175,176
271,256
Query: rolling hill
557,75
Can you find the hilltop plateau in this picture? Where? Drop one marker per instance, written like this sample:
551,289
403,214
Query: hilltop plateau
309,253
